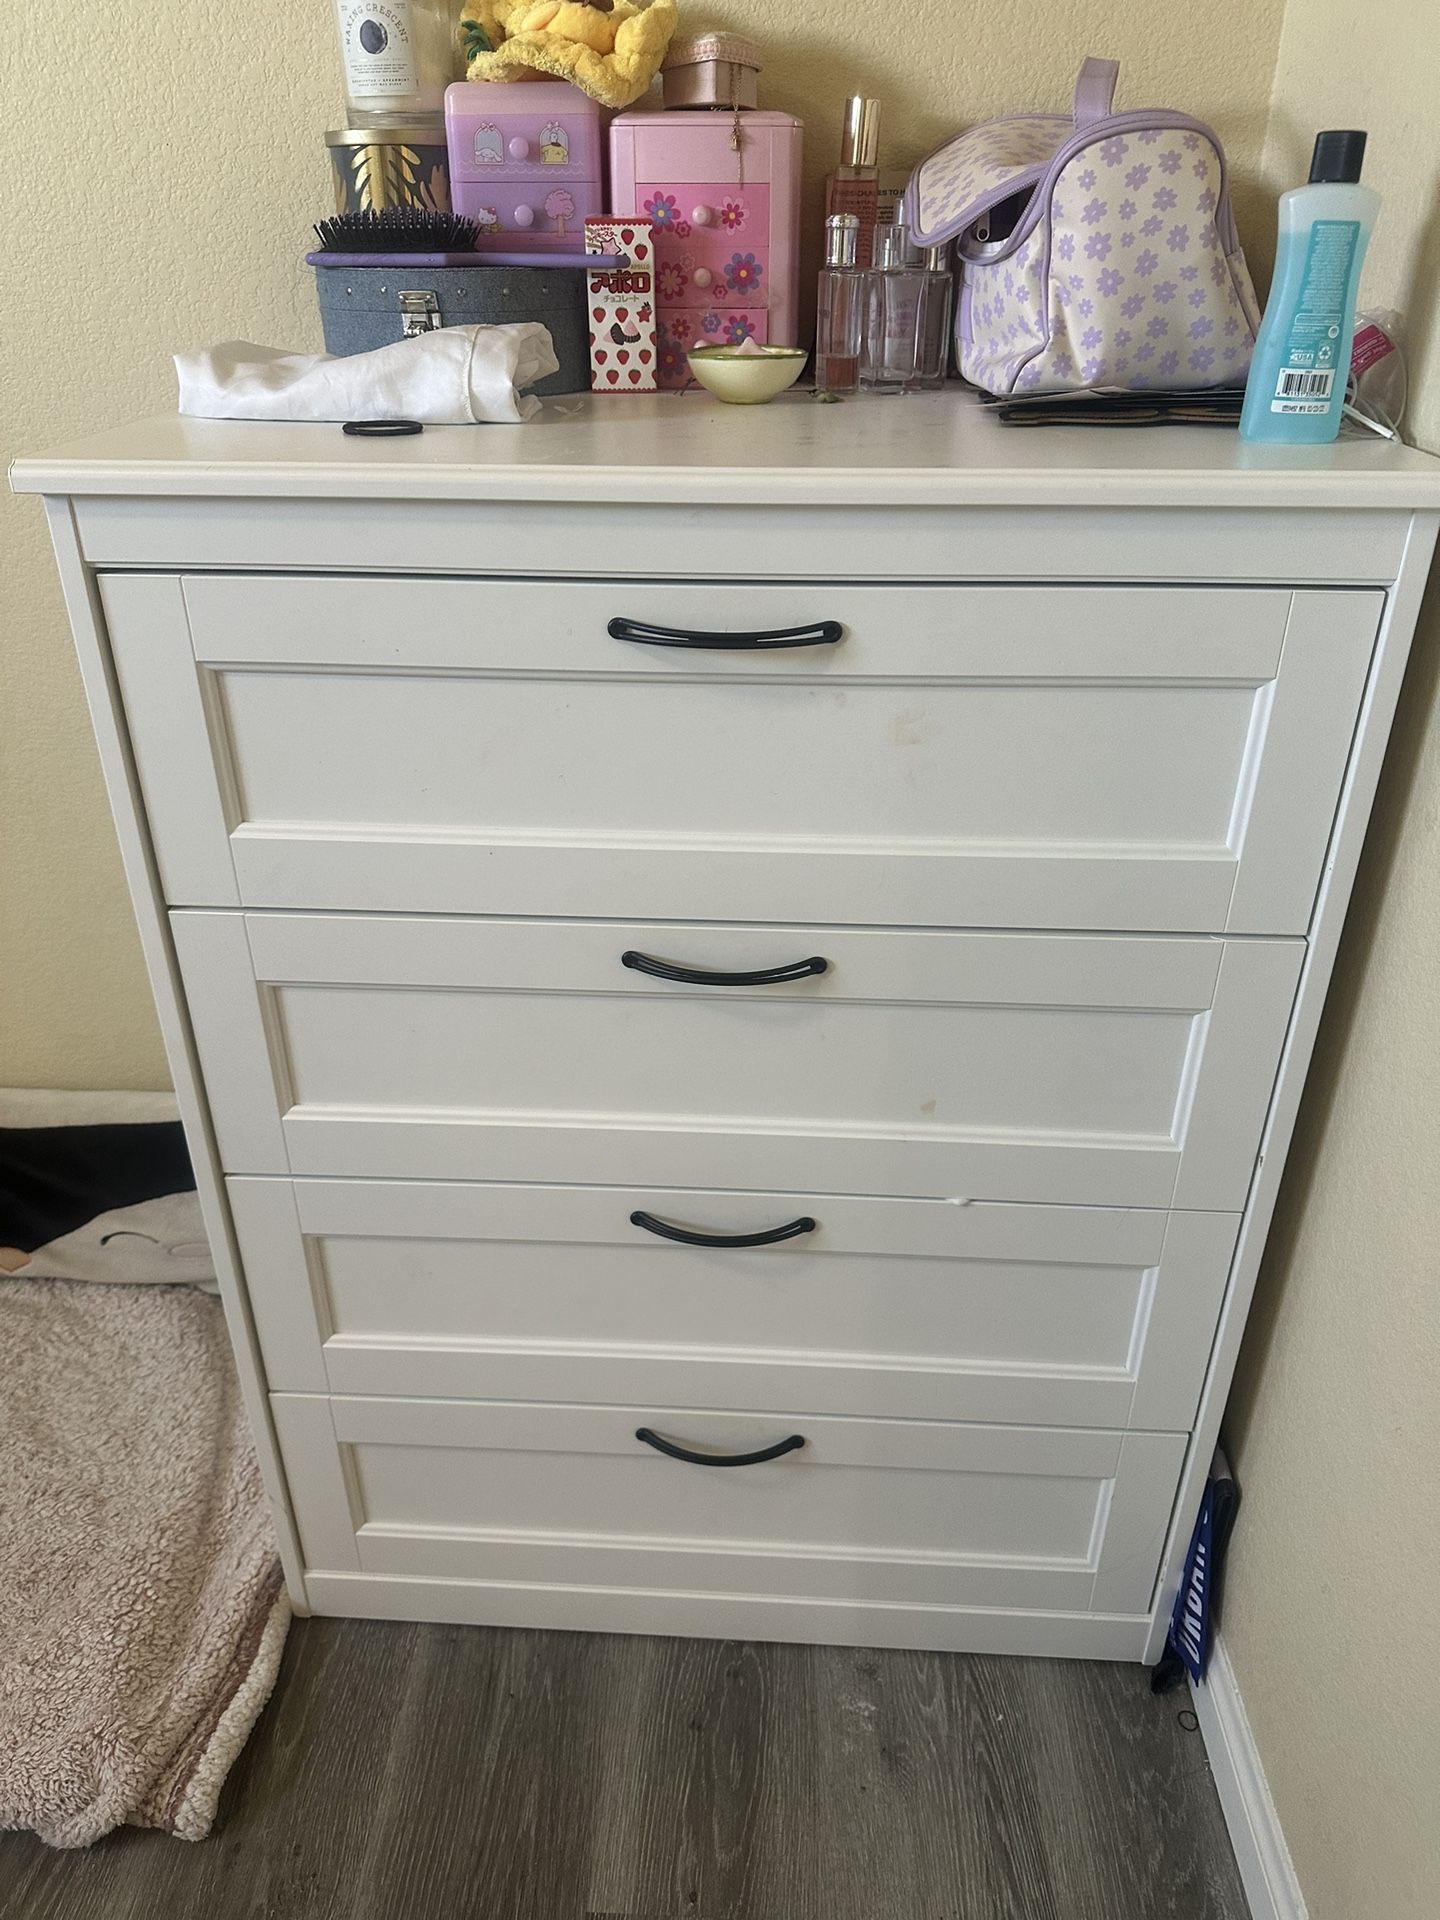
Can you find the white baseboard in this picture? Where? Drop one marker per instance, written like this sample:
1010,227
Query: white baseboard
1266,1869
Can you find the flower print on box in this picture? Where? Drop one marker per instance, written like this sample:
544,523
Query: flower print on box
663,211
670,361
710,321
738,328
672,279
743,273
732,215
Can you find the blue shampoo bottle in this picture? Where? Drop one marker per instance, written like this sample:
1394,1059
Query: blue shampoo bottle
1301,364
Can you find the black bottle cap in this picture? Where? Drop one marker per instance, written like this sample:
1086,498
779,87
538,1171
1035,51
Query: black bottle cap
1338,155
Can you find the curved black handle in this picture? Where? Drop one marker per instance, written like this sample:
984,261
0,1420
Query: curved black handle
709,977
780,1447
819,633
770,1238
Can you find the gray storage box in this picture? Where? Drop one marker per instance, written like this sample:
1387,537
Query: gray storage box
366,307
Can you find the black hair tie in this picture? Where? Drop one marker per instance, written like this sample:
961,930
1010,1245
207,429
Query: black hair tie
382,429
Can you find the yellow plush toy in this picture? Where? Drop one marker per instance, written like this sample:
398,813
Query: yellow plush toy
612,49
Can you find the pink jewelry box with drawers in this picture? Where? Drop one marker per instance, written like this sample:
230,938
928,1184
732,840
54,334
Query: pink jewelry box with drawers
726,220
526,161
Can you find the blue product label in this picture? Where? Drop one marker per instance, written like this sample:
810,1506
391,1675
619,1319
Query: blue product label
1307,376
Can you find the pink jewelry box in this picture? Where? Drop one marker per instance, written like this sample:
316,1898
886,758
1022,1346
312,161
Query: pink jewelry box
726,220
526,161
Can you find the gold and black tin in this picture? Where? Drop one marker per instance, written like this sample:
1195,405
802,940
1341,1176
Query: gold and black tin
400,166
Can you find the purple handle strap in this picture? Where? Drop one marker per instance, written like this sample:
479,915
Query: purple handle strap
1095,92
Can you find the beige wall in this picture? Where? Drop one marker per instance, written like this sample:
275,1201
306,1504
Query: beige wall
164,162
1335,1421
164,166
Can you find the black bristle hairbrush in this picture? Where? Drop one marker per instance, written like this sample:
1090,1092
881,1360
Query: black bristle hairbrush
419,237
398,230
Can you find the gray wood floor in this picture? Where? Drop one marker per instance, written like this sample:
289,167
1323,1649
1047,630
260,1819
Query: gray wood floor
434,1773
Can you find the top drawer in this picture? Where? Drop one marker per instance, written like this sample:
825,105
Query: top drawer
1131,758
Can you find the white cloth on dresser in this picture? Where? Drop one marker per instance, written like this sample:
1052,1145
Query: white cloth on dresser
451,376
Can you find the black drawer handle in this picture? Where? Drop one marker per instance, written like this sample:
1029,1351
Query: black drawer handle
770,1238
708,977
819,633
780,1447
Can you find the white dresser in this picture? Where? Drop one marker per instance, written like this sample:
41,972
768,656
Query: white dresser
740,980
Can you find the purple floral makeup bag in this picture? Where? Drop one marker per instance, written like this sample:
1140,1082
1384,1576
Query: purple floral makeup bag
1096,249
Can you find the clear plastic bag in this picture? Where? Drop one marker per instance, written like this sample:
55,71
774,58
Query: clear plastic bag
1377,373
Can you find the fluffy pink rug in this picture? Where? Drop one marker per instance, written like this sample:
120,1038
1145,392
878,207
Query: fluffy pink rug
142,1613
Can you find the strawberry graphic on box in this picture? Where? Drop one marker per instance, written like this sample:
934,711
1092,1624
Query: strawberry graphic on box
622,307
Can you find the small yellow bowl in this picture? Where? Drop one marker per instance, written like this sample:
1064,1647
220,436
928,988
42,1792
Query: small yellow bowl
746,379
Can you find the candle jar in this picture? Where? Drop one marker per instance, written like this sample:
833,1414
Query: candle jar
397,56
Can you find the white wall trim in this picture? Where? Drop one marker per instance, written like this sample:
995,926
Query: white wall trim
1266,1869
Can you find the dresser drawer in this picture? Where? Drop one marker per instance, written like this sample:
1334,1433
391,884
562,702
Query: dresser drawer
1118,1071
905,1511
1058,1316
1151,758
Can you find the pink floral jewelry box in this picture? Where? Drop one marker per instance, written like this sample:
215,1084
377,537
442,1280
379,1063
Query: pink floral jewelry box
726,220
526,161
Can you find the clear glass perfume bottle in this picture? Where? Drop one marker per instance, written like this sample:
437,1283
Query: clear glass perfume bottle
934,319
894,292
839,308
908,306
854,187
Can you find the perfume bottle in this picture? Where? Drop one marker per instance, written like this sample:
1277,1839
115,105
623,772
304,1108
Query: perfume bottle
934,320
839,308
854,187
907,314
894,293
